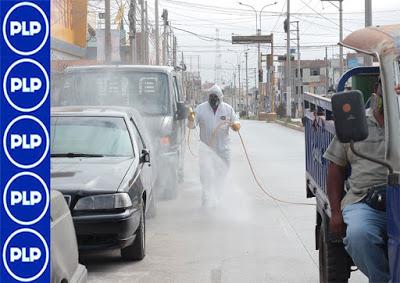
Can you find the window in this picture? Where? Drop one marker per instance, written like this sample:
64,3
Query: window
314,71
148,92
297,73
81,135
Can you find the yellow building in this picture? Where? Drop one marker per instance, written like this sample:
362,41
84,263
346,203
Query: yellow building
68,29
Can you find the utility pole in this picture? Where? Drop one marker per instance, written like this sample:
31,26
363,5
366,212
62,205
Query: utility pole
107,35
326,70
165,37
157,32
368,22
147,34
234,86
240,91
299,79
288,79
174,52
142,33
132,29
198,65
247,87
260,78
368,13
272,78
341,36
255,88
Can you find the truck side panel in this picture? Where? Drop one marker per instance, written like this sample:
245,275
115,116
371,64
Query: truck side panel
393,232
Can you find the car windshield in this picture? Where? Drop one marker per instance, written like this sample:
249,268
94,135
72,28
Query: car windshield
145,91
90,137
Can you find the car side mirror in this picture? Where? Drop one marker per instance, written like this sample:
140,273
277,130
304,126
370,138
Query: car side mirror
350,119
182,111
145,157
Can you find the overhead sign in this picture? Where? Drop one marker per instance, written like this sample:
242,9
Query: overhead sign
251,39
24,127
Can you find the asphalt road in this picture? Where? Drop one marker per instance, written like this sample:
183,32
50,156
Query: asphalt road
247,238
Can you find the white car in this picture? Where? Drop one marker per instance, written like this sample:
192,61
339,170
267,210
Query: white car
65,265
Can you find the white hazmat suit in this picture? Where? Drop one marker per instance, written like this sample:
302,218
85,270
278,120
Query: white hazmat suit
215,150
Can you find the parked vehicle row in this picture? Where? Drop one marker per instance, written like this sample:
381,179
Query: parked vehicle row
117,138
155,91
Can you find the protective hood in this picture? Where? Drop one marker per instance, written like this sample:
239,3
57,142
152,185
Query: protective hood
215,89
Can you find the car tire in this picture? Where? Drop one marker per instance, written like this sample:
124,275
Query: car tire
137,250
334,263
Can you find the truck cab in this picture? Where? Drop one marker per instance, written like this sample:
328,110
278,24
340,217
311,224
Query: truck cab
155,91
383,43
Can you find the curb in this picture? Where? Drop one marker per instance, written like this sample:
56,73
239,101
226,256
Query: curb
290,125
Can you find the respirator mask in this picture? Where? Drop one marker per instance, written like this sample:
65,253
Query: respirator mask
214,101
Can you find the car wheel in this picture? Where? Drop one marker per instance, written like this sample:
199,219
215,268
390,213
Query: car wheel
334,262
137,250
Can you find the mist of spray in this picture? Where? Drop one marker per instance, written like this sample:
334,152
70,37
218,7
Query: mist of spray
228,201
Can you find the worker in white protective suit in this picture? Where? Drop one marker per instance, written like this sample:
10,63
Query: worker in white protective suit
214,118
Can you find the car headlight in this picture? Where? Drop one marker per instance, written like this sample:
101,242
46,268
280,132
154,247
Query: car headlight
103,202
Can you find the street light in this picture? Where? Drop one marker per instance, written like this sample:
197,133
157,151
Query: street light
258,29
258,32
254,9
263,9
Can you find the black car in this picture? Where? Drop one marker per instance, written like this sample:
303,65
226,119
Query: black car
100,161
155,91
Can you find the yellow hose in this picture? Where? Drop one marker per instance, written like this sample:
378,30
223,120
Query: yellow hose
256,179
258,182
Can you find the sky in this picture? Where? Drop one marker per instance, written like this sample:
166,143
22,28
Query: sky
195,23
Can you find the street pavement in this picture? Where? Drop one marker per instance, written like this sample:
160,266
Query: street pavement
247,238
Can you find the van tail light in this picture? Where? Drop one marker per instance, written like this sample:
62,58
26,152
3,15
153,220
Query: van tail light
165,140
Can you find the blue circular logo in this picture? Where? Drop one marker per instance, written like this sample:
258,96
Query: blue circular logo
25,255
25,28
26,198
26,85
26,142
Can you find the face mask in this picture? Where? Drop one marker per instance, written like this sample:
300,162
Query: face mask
214,101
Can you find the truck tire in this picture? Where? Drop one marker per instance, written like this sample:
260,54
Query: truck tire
137,250
334,265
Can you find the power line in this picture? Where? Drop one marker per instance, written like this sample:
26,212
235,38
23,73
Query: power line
322,15
202,37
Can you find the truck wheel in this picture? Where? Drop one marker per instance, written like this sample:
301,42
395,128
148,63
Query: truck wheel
137,250
334,266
